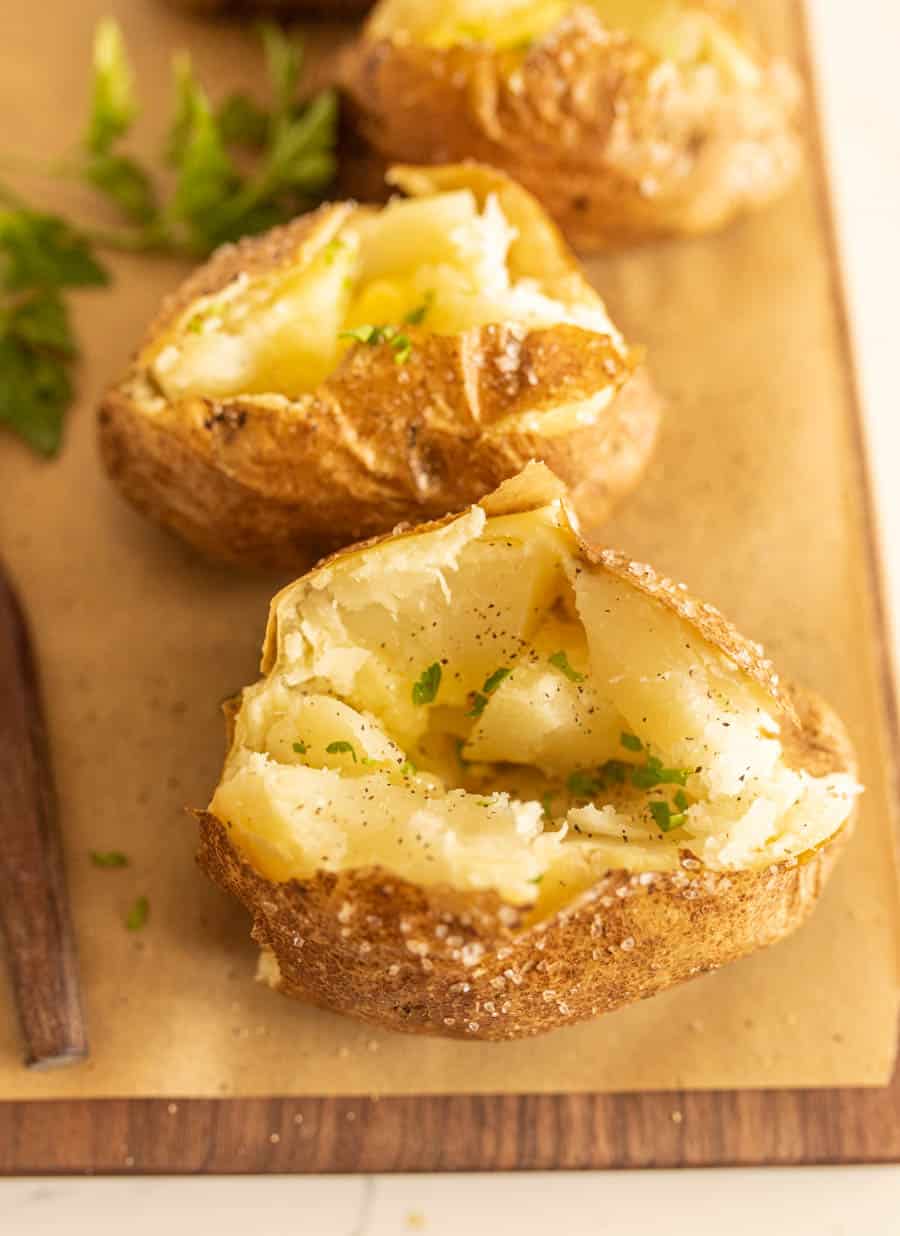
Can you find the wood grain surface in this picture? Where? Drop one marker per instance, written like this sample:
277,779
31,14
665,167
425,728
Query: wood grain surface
34,906
477,1132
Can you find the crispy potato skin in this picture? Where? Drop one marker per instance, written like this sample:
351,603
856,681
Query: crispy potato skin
277,485
620,147
432,960
435,961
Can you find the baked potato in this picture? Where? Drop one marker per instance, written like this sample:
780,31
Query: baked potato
494,781
359,368
629,119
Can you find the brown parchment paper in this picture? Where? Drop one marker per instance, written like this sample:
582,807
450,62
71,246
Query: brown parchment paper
754,499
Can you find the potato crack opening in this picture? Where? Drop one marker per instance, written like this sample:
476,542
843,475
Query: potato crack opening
438,263
480,705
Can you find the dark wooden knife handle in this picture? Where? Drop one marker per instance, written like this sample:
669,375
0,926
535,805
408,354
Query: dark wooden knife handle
34,906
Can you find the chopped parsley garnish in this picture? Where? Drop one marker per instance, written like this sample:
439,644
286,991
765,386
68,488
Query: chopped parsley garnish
478,703
651,774
479,699
492,682
615,771
645,776
536,879
426,688
664,818
408,768
582,784
417,316
631,742
402,348
299,747
109,858
341,747
138,914
561,662
373,335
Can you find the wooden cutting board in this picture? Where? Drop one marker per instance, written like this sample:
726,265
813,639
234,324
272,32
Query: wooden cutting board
485,1132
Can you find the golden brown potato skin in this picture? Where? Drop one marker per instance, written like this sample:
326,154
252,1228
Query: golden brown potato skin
438,961
617,145
435,961
258,484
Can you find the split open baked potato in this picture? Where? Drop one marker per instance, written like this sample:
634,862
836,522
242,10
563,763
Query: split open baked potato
629,119
494,781
359,368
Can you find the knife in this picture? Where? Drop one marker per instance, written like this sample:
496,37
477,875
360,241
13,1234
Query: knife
34,904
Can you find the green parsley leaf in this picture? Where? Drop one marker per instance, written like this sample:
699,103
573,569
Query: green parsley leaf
662,814
42,251
42,321
646,777
561,662
417,316
374,334
582,784
242,122
113,103
402,348
665,819
299,747
408,768
283,63
681,800
138,914
364,334
477,704
536,879
109,858
36,351
206,177
492,682
615,771
337,748
479,699
631,742
426,688
125,183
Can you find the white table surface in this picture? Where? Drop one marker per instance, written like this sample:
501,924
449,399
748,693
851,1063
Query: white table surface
857,45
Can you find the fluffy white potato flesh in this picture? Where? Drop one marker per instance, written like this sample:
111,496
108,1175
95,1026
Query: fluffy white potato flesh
447,261
479,705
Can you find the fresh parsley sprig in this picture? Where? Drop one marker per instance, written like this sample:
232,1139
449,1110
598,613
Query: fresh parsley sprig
41,257
213,199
